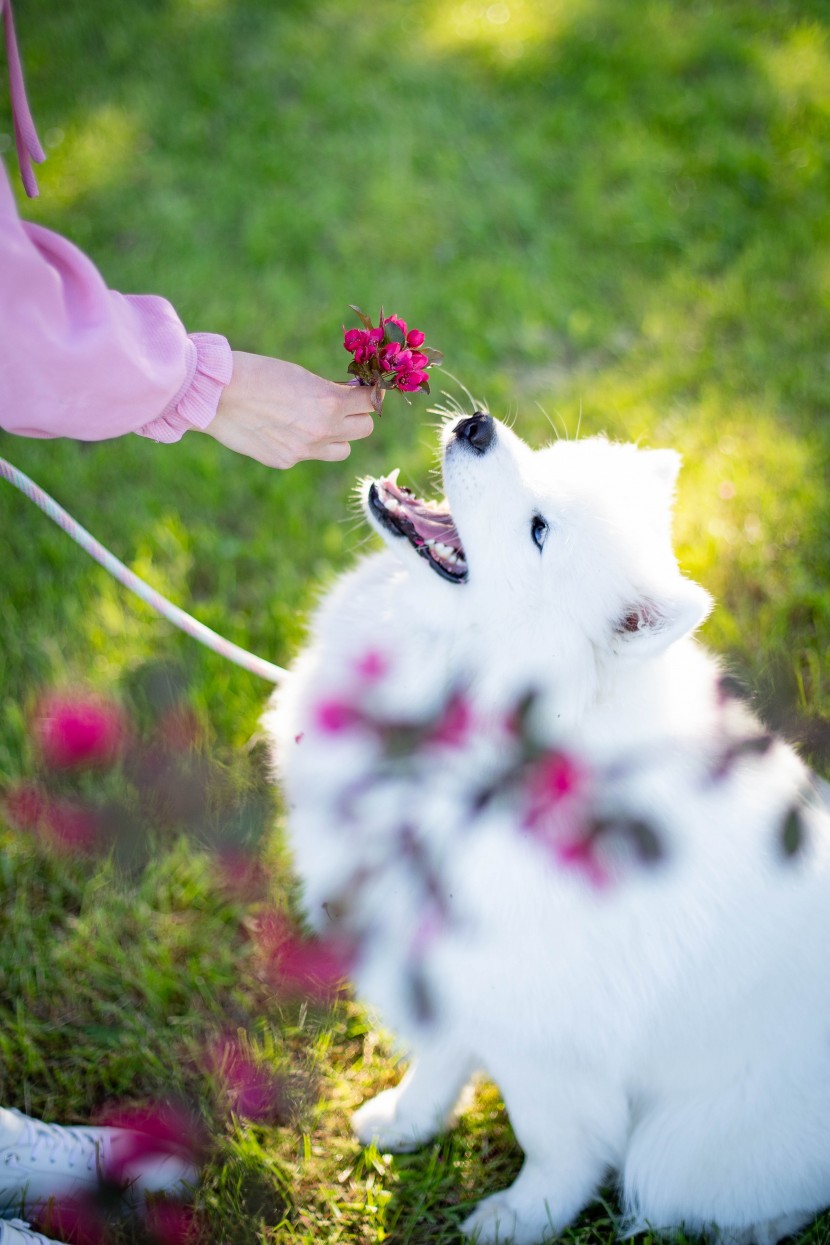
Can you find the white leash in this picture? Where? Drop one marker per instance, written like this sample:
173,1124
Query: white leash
179,618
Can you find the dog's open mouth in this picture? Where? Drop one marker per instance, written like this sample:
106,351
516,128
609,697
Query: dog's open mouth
427,525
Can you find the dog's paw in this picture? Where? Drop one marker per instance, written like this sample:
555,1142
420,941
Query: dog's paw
380,1120
497,1221
492,1222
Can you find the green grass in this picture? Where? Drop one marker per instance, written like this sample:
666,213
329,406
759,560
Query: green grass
611,217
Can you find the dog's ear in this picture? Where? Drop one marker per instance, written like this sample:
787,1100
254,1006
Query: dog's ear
654,621
663,466
659,470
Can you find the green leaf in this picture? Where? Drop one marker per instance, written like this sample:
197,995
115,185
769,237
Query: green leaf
640,835
645,840
792,832
392,333
436,357
423,387
361,315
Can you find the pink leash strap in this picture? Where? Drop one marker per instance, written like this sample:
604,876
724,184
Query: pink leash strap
25,134
191,626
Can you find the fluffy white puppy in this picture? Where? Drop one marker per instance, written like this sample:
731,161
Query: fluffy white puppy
671,1026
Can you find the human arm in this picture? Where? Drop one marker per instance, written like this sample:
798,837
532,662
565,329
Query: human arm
81,360
84,361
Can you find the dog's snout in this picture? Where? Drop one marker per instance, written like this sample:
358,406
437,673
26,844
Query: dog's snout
477,430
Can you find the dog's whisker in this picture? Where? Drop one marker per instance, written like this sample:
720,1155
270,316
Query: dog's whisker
474,403
561,421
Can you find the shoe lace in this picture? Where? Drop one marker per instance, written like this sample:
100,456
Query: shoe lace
73,1146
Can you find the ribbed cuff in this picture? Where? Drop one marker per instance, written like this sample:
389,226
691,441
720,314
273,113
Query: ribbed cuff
195,404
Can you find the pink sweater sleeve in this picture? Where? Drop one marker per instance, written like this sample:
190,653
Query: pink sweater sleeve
80,360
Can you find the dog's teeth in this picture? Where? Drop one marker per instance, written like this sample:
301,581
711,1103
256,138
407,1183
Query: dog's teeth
446,551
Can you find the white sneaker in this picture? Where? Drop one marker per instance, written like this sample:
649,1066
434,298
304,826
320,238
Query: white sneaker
16,1232
42,1163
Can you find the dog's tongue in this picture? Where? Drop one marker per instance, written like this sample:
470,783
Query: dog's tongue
432,520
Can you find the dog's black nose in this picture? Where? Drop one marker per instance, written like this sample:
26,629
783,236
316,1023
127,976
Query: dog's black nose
477,430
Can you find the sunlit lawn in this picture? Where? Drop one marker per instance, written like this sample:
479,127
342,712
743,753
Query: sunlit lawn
611,217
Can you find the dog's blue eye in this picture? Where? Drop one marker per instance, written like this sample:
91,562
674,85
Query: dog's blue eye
539,531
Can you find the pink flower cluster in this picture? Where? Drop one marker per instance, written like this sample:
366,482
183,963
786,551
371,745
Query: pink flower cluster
389,355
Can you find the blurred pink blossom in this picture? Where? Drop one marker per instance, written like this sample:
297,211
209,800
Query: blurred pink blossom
580,854
294,964
24,806
555,793
252,1089
171,1223
333,717
72,731
70,826
452,729
240,872
556,776
372,666
78,1221
149,1133
179,728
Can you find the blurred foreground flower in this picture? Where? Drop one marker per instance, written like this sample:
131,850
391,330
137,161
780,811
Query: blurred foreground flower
250,1088
78,1221
163,1136
145,1160
78,730
83,1221
170,1223
292,964
58,821
389,355
113,780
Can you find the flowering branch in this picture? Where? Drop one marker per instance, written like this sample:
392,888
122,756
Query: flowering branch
389,356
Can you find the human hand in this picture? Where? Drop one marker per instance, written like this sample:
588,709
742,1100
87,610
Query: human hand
280,414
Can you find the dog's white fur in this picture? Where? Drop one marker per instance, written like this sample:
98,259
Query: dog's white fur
673,1028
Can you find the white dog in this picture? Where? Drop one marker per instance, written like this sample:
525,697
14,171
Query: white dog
671,1026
